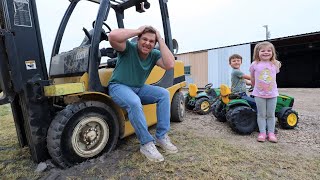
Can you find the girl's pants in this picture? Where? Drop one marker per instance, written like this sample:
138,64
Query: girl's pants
266,114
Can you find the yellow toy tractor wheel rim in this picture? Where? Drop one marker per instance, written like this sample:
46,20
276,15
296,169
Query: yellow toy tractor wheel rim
205,106
292,119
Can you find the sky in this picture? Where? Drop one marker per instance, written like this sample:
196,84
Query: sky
195,24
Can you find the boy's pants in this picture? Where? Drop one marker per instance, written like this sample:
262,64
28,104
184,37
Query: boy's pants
250,100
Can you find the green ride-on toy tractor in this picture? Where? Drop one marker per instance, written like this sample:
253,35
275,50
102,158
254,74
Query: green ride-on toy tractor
201,101
240,112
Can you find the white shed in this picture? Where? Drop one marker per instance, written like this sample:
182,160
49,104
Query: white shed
219,70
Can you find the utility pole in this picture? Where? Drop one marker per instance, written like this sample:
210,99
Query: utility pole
267,32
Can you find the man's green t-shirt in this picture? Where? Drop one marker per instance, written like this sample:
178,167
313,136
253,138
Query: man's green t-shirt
130,69
238,83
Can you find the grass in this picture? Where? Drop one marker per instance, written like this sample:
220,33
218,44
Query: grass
198,158
210,158
15,162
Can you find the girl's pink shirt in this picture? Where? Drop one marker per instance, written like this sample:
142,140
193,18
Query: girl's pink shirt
264,73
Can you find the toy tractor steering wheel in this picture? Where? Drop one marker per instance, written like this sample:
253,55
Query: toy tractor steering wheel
208,86
250,89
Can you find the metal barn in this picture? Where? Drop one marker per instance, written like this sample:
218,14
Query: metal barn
299,54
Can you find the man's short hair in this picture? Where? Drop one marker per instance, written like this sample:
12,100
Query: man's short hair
234,56
148,29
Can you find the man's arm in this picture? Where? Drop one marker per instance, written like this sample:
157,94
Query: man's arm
167,59
118,37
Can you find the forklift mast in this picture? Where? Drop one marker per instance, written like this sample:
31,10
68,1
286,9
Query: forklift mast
23,72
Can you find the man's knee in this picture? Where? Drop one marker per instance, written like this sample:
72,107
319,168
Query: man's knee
134,103
165,93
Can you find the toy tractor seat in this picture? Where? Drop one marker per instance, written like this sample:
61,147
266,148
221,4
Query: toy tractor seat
225,91
226,95
193,90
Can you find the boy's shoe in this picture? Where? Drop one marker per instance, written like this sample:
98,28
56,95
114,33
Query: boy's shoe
166,144
151,152
261,137
272,137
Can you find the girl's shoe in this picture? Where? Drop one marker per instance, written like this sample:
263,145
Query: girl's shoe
272,137
261,137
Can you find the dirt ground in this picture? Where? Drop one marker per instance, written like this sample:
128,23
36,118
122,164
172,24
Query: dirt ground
304,140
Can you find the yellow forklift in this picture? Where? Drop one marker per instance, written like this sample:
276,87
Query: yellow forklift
66,114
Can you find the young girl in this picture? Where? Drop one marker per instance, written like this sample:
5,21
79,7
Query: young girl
263,72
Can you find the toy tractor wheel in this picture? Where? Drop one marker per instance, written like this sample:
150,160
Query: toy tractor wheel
186,102
82,131
218,111
242,119
289,119
178,111
202,106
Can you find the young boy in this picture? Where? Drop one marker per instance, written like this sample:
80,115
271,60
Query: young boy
239,80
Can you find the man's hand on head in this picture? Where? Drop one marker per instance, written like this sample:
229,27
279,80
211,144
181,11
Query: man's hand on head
158,35
141,29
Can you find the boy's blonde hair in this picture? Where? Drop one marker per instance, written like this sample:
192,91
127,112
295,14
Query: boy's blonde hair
234,56
261,45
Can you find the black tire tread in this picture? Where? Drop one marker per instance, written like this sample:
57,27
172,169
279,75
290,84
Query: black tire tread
175,107
283,120
187,99
56,129
235,115
218,111
198,109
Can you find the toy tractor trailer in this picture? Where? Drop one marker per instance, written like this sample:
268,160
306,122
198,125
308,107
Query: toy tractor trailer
66,114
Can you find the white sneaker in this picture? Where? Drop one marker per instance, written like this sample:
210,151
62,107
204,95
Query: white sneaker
151,152
166,144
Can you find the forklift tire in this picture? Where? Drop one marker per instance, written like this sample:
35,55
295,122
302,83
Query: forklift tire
0,88
218,111
289,119
202,106
242,119
82,131
178,111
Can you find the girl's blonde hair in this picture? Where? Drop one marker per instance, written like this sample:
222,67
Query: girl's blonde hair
261,45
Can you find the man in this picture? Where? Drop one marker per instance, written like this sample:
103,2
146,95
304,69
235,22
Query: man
127,88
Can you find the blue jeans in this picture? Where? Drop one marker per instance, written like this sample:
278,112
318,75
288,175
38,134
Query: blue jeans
132,99
249,99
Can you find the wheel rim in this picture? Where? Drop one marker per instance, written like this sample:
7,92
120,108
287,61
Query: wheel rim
90,136
205,105
292,119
